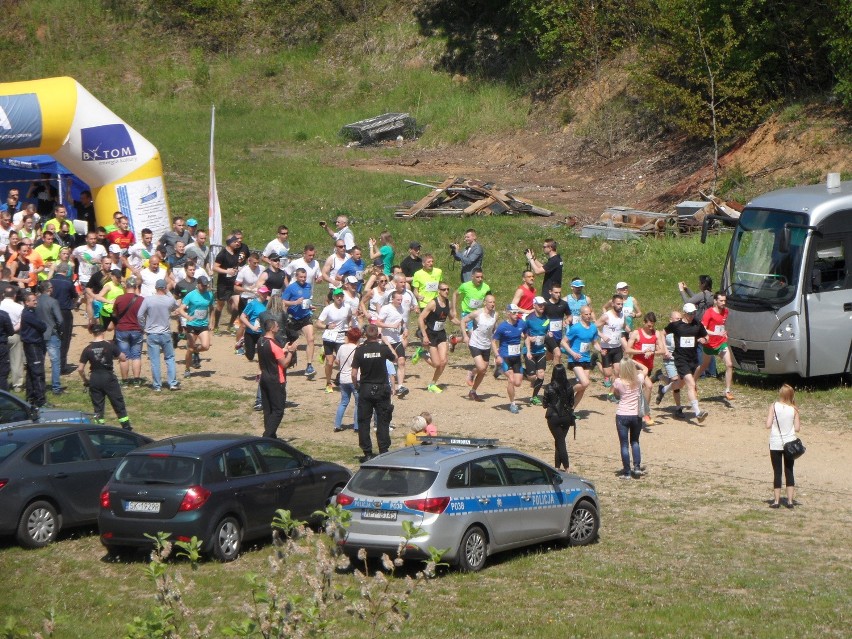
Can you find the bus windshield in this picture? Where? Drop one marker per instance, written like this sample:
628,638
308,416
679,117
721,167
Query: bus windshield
757,272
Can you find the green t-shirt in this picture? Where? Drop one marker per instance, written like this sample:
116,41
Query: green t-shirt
387,258
426,284
472,298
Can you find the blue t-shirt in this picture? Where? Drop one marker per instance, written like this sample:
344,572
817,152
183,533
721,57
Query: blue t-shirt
509,337
537,328
198,307
580,339
351,267
575,305
294,292
252,311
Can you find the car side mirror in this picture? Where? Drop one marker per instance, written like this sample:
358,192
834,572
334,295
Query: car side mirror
307,461
816,279
557,479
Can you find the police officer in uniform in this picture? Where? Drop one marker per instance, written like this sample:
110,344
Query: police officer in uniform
370,376
102,382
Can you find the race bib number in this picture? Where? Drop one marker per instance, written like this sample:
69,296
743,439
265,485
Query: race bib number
649,348
431,287
555,326
306,304
330,335
359,275
719,329
513,349
200,314
584,347
687,342
538,340
438,326
475,304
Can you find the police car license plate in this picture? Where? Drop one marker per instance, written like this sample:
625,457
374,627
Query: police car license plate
383,515
143,507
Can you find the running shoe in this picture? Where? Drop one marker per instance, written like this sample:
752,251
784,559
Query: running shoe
470,378
329,389
454,339
607,382
322,358
474,397
175,386
401,392
513,408
660,393
196,360
240,342
679,412
258,406
637,473
535,401
434,388
657,375
647,420
625,475
701,416
239,351
611,397
309,371
186,374
729,396
417,355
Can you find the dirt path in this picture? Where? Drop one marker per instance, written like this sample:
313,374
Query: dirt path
730,446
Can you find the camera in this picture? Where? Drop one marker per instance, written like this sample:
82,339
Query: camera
454,247
322,224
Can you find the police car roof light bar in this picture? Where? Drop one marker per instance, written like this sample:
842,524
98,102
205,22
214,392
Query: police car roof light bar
475,442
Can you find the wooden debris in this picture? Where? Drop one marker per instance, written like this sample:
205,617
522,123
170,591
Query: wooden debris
388,126
458,196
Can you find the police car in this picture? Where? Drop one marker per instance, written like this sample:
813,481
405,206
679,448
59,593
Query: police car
469,496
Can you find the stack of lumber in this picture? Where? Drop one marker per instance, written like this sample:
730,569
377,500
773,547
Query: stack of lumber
460,197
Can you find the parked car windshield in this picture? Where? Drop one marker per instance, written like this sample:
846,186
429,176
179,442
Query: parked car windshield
388,482
159,469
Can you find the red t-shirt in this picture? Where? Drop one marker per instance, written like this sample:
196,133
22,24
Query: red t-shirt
527,297
648,346
714,322
124,240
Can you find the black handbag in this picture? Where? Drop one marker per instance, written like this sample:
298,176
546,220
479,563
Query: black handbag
795,448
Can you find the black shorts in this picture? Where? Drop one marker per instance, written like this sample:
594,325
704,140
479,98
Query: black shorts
584,365
298,324
436,338
551,343
330,348
611,356
536,362
685,367
513,363
481,352
224,293
197,330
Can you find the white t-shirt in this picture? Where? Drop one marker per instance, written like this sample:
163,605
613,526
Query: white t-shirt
4,237
314,270
149,280
480,336
336,263
88,260
344,356
408,302
612,329
279,247
389,314
247,278
786,420
347,236
336,321
352,302
138,253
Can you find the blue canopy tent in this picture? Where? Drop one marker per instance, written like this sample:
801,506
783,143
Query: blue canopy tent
20,172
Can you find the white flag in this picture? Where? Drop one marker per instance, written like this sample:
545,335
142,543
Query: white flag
214,213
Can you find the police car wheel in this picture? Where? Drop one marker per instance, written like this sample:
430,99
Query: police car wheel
583,528
473,550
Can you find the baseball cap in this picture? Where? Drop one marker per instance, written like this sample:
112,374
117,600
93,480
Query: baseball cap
160,285
538,300
116,271
622,285
263,289
114,248
192,222
203,279
274,257
378,262
351,279
414,245
578,283
337,291
513,308
689,307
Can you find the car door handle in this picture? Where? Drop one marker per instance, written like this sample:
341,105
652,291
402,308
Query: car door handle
61,476
847,307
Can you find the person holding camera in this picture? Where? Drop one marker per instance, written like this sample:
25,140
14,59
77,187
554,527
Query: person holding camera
471,257
343,231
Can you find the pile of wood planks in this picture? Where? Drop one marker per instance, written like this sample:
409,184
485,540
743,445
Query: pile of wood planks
460,197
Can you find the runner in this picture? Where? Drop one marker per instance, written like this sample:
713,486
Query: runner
226,265
689,334
478,339
432,322
333,321
297,299
631,306
392,320
578,343
611,325
642,345
506,345
577,299
556,311
717,341
251,324
332,266
425,282
196,311
525,293
536,363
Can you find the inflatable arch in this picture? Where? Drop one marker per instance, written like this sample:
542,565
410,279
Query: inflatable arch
58,117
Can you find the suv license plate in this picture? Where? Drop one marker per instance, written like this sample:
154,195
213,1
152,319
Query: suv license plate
384,515
750,367
143,507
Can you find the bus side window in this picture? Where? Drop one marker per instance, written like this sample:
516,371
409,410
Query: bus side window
831,270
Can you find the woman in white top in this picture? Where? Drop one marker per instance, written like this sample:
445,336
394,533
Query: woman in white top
627,387
783,424
347,388
479,342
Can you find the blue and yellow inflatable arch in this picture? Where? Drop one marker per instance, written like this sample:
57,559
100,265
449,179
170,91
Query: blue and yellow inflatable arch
58,117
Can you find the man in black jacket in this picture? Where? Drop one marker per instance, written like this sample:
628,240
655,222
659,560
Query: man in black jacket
49,312
32,336
65,293
6,331
370,375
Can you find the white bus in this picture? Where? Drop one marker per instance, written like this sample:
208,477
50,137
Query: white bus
789,284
